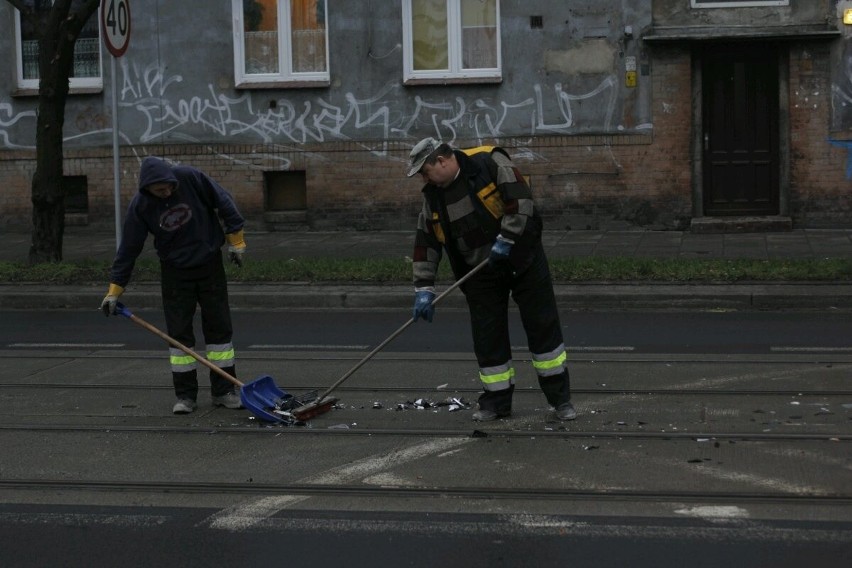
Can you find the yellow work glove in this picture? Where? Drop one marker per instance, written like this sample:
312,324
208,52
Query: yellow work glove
236,247
109,301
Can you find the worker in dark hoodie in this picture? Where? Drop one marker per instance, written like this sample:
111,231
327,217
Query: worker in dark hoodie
185,210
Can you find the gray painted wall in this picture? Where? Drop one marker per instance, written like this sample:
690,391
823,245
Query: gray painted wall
680,13
175,83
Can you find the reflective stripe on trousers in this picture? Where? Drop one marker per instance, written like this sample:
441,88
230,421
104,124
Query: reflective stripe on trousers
497,378
180,361
551,363
221,355
502,377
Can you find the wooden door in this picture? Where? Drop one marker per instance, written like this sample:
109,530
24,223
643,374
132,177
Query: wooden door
740,122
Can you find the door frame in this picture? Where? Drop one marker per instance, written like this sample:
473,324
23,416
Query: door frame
697,142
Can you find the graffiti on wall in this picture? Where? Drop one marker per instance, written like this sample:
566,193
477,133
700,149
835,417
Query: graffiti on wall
8,120
154,108
318,120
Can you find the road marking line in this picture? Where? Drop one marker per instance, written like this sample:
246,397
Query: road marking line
720,474
41,345
85,519
513,526
763,375
809,455
599,349
586,348
715,512
246,515
306,346
784,349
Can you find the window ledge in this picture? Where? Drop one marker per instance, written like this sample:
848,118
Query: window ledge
72,91
282,84
452,81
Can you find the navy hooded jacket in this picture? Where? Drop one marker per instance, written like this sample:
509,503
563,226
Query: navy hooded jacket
186,227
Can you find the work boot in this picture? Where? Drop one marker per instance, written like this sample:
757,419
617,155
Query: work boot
483,415
565,411
184,406
228,400
498,405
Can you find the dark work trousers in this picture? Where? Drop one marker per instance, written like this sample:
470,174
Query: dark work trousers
183,289
487,295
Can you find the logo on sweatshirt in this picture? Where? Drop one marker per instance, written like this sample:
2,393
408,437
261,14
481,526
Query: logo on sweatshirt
175,217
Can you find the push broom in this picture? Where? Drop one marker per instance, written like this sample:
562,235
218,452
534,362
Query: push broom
324,403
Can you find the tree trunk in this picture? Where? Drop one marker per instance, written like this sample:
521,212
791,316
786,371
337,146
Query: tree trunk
59,28
48,197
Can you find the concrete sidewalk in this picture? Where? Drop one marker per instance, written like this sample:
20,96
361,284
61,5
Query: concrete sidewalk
81,243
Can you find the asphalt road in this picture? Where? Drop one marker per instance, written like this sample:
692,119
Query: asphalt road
702,439
720,332
160,536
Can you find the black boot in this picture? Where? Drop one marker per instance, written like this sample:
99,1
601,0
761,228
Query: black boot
556,388
219,385
186,384
494,404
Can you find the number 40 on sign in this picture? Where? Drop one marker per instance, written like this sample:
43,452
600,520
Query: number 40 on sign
115,25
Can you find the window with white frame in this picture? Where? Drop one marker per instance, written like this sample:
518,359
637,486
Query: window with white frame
86,73
451,40
280,42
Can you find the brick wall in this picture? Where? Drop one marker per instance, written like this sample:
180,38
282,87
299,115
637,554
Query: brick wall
819,190
638,180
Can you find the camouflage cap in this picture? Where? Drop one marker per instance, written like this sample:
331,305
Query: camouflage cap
419,153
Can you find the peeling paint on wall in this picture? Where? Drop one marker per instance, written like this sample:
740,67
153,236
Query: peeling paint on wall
592,56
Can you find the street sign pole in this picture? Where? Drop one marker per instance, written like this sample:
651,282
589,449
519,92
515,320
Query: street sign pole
115,161
115,27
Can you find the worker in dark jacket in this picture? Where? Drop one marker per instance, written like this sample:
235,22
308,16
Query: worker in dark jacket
477,206
185,210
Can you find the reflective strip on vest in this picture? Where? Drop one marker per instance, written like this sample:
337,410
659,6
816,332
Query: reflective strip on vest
180,361
490,198
497,378
479,150
221,355
549,364
437,229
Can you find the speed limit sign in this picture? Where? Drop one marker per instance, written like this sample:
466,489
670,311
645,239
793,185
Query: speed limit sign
115,23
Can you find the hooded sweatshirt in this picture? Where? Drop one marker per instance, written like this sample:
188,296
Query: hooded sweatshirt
186,227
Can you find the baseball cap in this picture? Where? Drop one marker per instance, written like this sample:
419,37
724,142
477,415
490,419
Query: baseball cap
419,153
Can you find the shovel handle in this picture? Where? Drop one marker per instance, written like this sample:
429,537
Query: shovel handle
122,310
394,335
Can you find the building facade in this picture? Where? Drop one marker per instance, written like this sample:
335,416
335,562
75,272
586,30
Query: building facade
625,114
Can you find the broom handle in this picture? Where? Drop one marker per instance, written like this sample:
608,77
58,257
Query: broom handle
175,343
394,335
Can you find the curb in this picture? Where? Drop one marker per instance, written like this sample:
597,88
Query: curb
771,296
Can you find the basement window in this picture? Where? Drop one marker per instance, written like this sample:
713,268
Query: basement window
76,191
286,191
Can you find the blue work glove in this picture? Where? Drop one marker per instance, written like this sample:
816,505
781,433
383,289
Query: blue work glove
501,249
423,307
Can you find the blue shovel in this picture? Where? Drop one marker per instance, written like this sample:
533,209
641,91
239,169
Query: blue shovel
261,396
